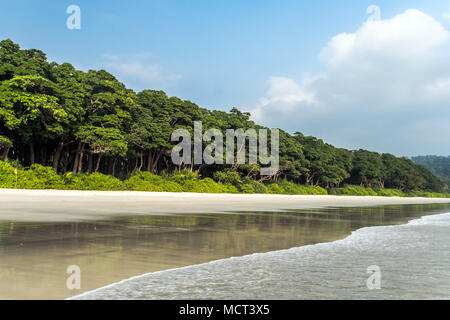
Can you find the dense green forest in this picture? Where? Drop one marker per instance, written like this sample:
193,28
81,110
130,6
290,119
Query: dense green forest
79,123
440,166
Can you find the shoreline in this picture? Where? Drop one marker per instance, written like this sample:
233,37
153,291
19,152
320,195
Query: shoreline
71,206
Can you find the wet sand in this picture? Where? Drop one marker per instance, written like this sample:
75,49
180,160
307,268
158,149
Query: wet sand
65,206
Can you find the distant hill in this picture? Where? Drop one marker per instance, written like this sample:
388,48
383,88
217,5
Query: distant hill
439,165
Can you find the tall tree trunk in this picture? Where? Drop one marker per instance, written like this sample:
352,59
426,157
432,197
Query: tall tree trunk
66,161
57,156
23,153
90,156
149,162
43,151
200,168
167,164
77,159
135,164
156,161
142,162
80,160
75,163
113,169
32,158
98,162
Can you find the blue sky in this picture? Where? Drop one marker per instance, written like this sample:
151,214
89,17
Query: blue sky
223,54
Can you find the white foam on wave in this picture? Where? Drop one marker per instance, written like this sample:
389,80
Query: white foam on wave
438,219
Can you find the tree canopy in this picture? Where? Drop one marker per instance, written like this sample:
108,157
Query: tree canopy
75,121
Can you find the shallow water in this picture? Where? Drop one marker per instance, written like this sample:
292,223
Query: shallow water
34,256
413,259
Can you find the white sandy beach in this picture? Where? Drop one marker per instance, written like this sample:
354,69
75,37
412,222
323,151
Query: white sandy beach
61,206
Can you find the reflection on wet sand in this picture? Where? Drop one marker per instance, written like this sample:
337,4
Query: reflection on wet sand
34,256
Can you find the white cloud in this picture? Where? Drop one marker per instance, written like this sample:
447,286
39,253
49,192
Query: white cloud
382,82
409,35
287,93
138,70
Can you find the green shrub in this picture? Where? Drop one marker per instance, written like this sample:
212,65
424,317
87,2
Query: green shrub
228,177
211,186
389,193
247,188
184,175
145,181
427,194
71,181
7,175
171,186
319,190
274,188
203,186
39,177
288,187
258,187
229,188
352,190
190,186
100,182
15,164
